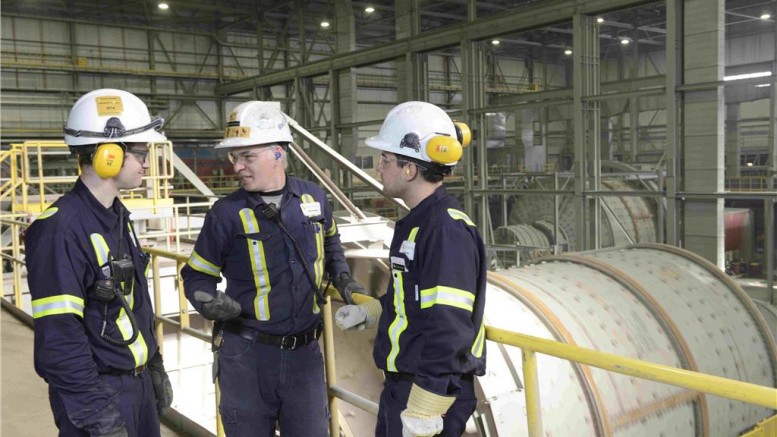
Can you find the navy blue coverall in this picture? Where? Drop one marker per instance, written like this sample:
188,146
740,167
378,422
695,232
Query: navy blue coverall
262,382
431,330
94,386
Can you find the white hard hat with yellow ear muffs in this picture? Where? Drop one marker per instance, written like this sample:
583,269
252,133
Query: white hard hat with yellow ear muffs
110,118
424,132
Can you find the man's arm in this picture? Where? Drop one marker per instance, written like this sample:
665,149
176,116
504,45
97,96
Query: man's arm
203,270
63,354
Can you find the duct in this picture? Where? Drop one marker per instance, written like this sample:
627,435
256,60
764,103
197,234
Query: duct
651,302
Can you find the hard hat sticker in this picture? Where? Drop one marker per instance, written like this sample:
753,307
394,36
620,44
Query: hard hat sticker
109,105
237,132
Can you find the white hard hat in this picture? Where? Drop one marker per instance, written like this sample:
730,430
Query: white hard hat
255,123
108,115
422,131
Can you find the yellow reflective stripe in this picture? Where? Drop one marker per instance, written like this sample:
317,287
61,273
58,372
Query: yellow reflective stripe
399,324
138,348
60,304
460,215
101,249
258,265
48,213
480,340
332,228
318,264
200,264
413,233
442,295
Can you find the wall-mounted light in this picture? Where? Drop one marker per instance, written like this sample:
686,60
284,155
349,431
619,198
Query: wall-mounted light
749,164
163,6
495,42
369,9
625,41
324,24
599,20
766,16
567,52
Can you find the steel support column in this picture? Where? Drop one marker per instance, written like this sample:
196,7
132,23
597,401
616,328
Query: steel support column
703,122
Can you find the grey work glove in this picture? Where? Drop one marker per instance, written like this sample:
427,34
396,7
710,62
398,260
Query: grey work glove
219,308
346,286
118,432
163,390
358,317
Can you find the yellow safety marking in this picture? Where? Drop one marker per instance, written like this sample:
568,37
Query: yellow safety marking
258,265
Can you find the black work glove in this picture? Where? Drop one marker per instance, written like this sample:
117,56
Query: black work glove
220,308
346,286
163,390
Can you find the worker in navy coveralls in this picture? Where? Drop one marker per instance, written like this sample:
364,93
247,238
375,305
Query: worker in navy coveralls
430,338
272,239
94,338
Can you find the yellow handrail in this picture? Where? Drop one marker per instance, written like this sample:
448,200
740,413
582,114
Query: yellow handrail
700,382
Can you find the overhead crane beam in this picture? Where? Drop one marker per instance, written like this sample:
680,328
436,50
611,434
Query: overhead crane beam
512,22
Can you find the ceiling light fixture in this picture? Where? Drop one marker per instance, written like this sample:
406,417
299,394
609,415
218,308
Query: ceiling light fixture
761,85
567,52
766,16
495,42
748,75
369,9
599,20
324,24
164,6
625,41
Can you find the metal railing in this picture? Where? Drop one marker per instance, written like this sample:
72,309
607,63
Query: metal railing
530,346
27,185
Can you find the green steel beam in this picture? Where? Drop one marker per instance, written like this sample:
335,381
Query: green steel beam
512,22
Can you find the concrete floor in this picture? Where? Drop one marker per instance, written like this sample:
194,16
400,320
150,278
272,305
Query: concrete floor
24,403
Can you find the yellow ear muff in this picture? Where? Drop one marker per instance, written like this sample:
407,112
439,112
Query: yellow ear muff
443,149
463,133
107,160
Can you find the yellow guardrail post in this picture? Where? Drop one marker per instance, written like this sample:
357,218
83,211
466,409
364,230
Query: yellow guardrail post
158,326
183,304
17,273
329,365
532,393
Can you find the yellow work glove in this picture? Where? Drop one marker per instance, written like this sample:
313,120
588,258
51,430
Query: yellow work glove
358,317
423,416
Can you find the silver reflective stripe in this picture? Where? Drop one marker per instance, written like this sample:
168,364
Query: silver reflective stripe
441,295
61,304
258,265
202,265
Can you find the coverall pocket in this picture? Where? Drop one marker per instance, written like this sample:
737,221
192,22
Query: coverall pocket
233,347
259,248
111,385
314,237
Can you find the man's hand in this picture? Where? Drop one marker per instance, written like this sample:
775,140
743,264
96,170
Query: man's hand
358,317
417,425
423,416
219,308
163,390
346,286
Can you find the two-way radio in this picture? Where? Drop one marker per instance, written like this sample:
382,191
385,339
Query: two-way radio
122,273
